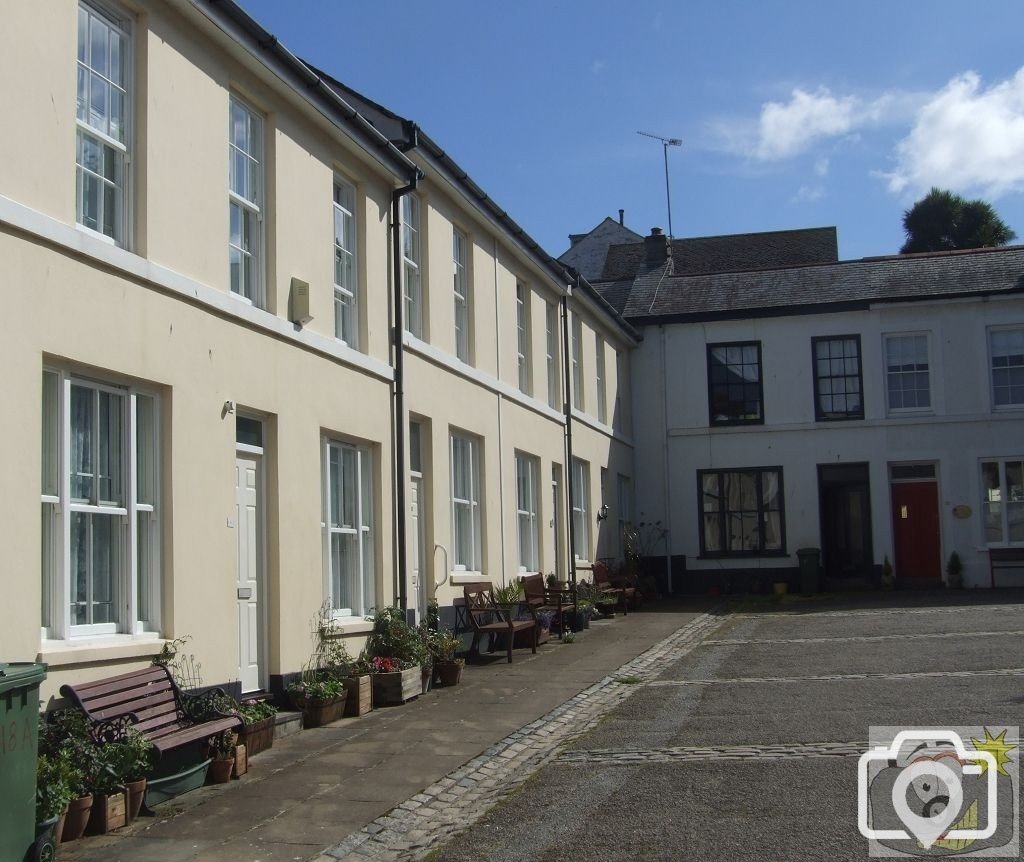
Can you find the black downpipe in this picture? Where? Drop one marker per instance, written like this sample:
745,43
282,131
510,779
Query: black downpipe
399,353
567,409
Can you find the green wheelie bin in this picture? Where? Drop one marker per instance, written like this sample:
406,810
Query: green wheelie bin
19,748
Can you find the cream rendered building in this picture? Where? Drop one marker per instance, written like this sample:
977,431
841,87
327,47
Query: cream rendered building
201,241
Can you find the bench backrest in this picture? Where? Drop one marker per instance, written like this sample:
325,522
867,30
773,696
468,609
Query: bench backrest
480,607
602,574
533,589
148,697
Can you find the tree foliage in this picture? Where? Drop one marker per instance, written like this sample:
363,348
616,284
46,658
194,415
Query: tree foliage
944,221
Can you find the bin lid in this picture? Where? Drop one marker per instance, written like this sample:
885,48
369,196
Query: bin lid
20,674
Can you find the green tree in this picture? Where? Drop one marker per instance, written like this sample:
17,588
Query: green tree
943,221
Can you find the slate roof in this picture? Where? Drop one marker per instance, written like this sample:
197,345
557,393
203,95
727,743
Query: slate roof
731,253
659,293
587,251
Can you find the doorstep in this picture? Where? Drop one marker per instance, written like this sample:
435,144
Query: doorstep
286,723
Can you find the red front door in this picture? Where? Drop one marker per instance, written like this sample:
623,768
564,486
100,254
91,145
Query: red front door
915,516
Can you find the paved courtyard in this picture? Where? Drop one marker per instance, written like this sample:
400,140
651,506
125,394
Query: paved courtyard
740,742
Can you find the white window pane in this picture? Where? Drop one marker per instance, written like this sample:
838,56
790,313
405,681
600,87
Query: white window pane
145,449
82,424
51,433
111,430
334,459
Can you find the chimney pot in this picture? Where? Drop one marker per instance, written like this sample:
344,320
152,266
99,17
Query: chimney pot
622,218
655,231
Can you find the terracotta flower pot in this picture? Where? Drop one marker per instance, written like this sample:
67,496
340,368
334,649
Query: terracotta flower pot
220,770
136,793
76,819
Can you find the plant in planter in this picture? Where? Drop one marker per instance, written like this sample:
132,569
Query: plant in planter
257,734
106,783
319,692
57,780
222,754
66,733
394,651
443,646
954,572
131,757
509,596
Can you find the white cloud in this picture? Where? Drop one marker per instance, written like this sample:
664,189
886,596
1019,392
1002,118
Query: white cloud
808,194
967,138
789,128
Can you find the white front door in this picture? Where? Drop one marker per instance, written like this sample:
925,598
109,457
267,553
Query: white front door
416,552
556,522
248,482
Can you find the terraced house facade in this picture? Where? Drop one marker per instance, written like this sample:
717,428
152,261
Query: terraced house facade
268,346
202,242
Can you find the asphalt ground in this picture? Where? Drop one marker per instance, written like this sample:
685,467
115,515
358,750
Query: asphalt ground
807,678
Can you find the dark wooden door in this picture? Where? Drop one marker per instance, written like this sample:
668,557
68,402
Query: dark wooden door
916,533
844,495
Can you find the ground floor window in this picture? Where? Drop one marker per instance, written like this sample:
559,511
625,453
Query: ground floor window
1002,489
526,513
348,528
100,558
467,538
741,511
581,508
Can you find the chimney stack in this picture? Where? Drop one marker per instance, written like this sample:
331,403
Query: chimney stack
658,247
622,218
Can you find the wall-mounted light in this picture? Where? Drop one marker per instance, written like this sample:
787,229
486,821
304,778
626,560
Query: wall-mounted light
229,407
602,513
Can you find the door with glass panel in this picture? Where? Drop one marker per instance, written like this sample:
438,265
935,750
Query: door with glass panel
249,542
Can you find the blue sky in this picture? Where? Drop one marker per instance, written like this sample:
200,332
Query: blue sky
793,114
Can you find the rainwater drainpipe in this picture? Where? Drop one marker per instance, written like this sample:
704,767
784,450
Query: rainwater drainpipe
665,455
399,369
567,402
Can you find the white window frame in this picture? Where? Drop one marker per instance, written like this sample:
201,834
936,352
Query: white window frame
523,351
551,353
136,518
527,518
119,146
992,330
461,288
602,394
579,400
412,276
364,589
470,446
581,508
248,203
890,374
1004,497
346,245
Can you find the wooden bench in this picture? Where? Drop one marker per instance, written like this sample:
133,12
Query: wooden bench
1004,558
620,587
542,598
150,701
486,617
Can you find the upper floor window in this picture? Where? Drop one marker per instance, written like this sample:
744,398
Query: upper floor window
741,512
348,528
580,508
100,531
245,202
602,395
551,352
463,335
735,393
411,265
907,376
346,289
578,401
467,536
1006,352
523,337
1002,484
527,496
838,383
102,115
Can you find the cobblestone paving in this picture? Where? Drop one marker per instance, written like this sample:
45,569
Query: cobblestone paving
864,638
633,756
811,614
1008,671
463,796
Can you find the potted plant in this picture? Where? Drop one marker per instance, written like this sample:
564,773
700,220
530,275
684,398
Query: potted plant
257,734
359,686
106,783
131,758
319,696
954,572
65,734
222,756
443,646
394,651
508,597
56,780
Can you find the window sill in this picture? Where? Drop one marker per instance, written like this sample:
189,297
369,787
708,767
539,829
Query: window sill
70,652
348,626
468,577
752,555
